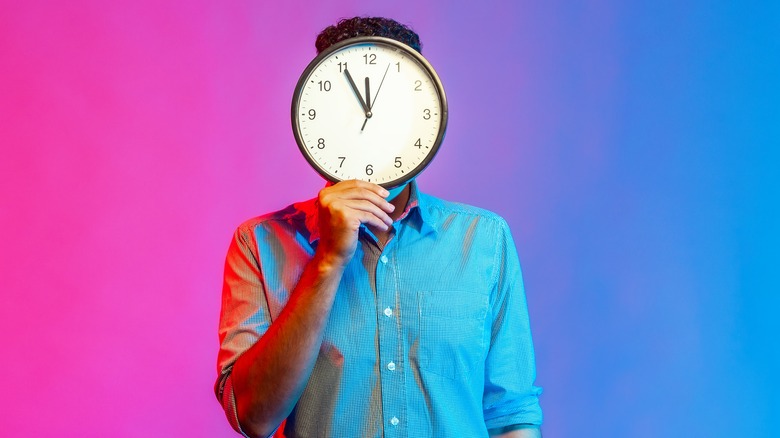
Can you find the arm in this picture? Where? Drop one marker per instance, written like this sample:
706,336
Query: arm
270,376
511,400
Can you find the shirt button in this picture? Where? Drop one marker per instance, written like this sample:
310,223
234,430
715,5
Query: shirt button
394,421
388,312
391,366
383,259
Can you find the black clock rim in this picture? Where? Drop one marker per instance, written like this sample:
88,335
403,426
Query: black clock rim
378,40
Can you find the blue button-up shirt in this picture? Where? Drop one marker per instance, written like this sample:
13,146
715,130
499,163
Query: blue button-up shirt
428,335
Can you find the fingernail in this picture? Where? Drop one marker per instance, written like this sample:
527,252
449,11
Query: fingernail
385,193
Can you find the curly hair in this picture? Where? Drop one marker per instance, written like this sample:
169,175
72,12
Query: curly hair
367,26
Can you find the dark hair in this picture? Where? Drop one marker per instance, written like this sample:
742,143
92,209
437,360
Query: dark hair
367,26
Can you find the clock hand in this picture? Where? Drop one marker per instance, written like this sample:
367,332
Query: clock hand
368,95
368,103
380,87
357,93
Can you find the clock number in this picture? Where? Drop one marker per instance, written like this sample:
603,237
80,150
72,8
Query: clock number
426,114
398,162
320,143
342,66
324,86
342,161
370,58
418,143
369,170
418,85
398,64
312,114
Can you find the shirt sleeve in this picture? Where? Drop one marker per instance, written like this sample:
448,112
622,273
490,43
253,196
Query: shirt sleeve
510,396
244,316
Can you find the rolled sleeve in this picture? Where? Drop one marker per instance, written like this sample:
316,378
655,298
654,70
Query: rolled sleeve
510,396
244,316
227,399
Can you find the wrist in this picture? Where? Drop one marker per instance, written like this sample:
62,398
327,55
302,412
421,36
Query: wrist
328,263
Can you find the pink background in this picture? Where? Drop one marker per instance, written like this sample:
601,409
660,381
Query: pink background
632,147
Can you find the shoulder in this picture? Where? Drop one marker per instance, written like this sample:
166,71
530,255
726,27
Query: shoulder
440,211
292,217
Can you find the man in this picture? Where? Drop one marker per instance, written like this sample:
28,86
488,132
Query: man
364,313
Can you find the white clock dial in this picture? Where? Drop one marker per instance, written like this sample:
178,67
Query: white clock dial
369,108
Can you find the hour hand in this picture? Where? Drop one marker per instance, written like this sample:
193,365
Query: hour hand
357,93
368,95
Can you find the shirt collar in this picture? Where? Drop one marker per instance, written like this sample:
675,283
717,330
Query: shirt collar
416,213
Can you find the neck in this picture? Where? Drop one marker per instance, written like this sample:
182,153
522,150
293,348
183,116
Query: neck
400,202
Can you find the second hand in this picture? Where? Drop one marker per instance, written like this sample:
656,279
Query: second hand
371,102
380,87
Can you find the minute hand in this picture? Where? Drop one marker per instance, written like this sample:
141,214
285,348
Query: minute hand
366,109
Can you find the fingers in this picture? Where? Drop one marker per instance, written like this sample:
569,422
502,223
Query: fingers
343,207
370,213
356,183
357,190
357,200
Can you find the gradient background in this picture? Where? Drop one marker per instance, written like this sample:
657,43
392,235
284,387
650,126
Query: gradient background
633,147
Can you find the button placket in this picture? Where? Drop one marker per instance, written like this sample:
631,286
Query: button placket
390,344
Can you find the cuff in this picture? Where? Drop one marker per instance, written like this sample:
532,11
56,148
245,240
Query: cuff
228,401
530,414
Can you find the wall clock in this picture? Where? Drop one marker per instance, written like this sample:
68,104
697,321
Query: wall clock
369,108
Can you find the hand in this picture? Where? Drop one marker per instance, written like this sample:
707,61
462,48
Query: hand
363,104
342,207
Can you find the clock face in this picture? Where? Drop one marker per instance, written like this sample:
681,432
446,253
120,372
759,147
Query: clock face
369,108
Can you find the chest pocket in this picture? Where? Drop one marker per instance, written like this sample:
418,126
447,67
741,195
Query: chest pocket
452,332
